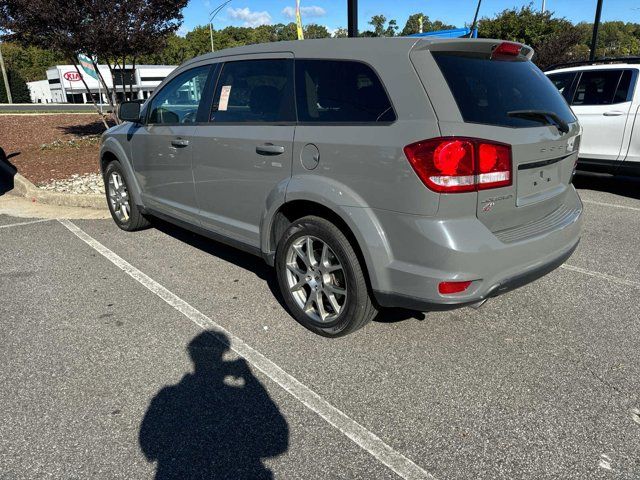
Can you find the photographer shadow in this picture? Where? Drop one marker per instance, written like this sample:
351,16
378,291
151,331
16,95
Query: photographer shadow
217,422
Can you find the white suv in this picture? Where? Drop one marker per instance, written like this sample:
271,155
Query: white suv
606,100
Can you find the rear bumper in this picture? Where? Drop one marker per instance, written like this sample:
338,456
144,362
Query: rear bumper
506,285
426,251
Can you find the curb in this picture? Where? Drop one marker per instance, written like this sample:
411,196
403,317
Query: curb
24,188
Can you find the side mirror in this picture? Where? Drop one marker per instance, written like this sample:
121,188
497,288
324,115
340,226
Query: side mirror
129,112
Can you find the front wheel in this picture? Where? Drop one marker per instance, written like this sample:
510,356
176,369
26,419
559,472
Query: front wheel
321,278
123,210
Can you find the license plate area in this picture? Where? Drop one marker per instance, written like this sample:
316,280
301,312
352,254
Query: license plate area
538,181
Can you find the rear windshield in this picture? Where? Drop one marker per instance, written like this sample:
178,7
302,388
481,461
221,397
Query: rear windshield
486,90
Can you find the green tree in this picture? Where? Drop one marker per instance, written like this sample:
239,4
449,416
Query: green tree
380,27
413,25
286,32
316,31
557,37
175,52
19,89
615,38
30,63
341,33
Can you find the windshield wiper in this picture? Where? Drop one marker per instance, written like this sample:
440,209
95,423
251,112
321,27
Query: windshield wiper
543,116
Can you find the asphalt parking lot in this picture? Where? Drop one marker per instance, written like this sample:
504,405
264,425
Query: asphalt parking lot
106,372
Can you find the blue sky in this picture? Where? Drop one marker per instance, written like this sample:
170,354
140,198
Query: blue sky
333,13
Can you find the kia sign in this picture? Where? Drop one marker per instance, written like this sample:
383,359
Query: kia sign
72,76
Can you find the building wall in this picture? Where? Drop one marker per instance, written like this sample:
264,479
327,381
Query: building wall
67,87
40,91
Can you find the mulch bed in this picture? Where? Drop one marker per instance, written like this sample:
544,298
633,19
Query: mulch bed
22,138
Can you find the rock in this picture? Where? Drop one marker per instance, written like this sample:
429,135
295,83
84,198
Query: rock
91,183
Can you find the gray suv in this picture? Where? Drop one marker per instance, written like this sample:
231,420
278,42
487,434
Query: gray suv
416,173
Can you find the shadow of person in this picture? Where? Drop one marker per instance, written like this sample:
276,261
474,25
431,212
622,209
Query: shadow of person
217,422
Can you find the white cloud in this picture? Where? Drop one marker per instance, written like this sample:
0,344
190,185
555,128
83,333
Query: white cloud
250,19
313,11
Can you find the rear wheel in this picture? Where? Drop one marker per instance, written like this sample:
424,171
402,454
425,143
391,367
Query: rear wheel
123,210
321,278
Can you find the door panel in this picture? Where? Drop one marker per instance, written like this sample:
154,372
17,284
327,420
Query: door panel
244,154
233,179
603,129
602,104
632,153
164,169
162,150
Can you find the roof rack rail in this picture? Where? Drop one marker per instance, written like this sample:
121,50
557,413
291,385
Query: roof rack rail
597,61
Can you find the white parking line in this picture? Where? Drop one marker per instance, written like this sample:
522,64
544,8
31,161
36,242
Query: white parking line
604,276
25,223
614,205
314,402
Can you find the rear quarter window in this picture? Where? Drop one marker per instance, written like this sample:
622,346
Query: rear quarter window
487,90
340,91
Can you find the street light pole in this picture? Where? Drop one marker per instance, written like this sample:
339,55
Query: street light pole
6,79
352,18
594,35
212,15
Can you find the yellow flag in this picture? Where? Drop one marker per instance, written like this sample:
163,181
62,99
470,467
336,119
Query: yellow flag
299,21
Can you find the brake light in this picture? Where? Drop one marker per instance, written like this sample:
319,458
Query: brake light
448,288
457,164
506,49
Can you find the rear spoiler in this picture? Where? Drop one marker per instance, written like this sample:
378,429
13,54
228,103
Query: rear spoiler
471,45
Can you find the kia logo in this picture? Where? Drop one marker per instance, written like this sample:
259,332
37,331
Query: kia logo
72,76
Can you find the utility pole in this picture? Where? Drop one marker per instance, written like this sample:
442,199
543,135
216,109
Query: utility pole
6,79
544,6
594,35
352,17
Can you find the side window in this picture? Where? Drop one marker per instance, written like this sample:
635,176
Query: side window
334,91
178,101
254,91
597,87
624,87
563,82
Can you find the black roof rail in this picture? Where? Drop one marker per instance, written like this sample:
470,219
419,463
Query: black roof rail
597,61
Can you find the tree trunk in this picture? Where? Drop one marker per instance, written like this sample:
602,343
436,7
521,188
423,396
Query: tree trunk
108,92
124,83
106,125
133,73
114,100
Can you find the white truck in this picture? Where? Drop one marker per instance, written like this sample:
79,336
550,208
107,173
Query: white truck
606,99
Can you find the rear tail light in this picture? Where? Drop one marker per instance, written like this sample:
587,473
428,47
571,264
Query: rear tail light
448,288
457,164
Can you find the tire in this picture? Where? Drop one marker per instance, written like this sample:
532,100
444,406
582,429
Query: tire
336,269
117,193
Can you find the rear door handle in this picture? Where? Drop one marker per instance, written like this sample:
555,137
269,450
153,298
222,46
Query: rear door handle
613,113
180,142
269,149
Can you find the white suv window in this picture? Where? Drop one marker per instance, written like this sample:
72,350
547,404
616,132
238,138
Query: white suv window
602,87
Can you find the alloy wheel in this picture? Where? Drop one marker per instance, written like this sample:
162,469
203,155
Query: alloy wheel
118,197
316,279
